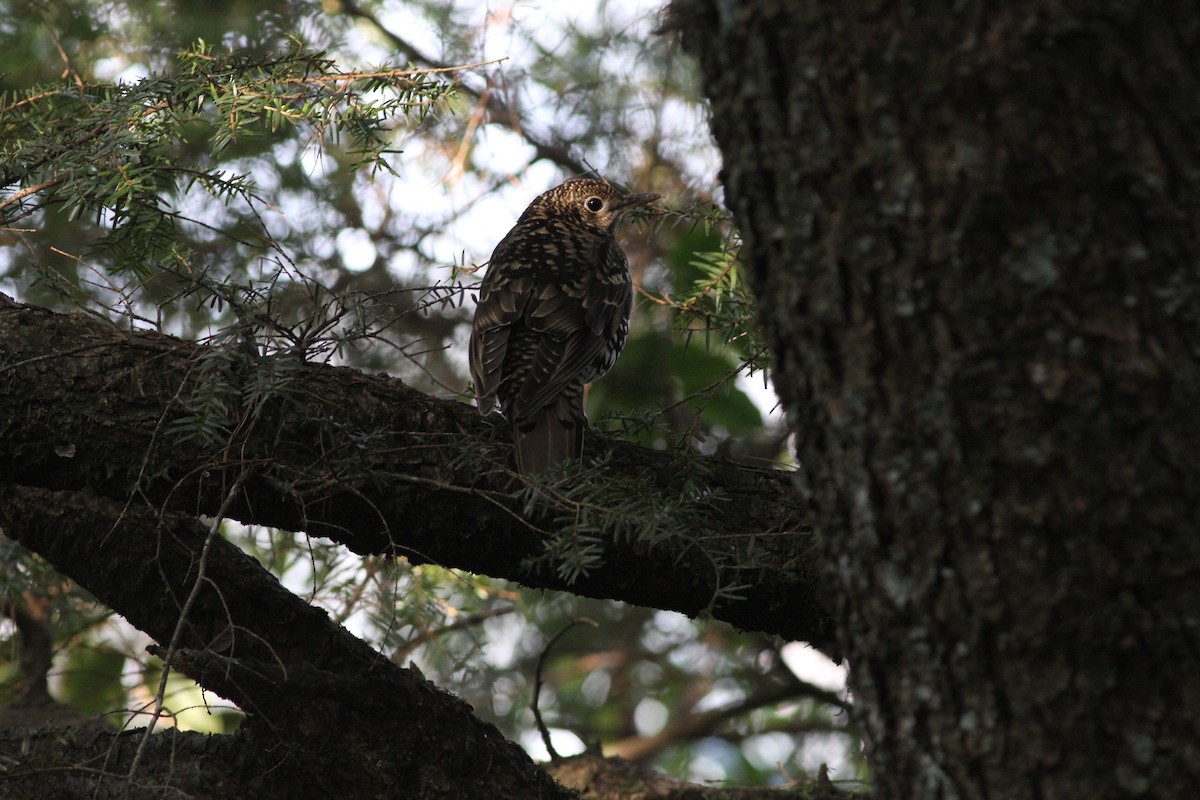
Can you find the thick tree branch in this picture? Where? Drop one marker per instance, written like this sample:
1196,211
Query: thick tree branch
382,468
56,763
599,778
313,691
89,764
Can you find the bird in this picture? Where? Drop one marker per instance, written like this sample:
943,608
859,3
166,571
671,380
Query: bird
552,315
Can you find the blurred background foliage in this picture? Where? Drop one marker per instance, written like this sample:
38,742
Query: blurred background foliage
323,179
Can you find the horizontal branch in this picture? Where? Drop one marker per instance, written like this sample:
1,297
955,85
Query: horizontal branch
47,764
371,463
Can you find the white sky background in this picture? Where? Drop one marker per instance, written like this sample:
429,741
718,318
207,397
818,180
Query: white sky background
429,190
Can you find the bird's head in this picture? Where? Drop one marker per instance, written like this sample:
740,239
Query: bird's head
591,203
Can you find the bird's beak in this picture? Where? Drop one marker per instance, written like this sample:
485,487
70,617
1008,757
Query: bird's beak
628,201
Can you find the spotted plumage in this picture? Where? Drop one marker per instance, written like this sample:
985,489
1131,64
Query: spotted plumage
553,315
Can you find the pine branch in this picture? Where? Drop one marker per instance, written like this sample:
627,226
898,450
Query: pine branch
382,468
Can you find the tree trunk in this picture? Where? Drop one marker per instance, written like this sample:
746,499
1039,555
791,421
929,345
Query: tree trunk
973,230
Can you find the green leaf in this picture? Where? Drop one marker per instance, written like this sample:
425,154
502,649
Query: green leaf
91,680
656,371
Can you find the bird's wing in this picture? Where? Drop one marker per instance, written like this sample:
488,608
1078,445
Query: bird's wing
501,303
575,324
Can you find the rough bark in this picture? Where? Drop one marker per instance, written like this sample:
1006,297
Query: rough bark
974,230
59,763
375,465
100,477
327,716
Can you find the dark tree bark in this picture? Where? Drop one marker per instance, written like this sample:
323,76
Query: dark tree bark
104,476
377,466
327,715
974,230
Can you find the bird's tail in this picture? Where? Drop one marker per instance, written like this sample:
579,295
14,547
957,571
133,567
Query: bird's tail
548,437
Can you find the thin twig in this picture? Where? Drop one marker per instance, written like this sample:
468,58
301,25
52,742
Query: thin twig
537,682
28,190
201,579
391,73
712,387
499,112
401,655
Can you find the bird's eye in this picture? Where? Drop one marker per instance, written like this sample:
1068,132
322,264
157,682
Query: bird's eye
594,204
